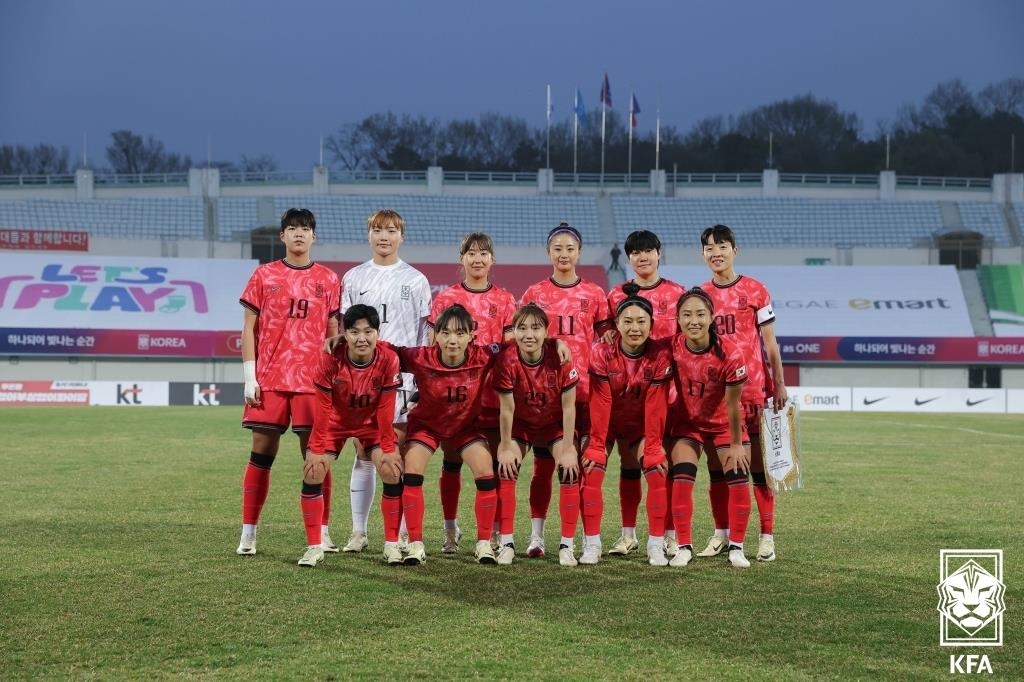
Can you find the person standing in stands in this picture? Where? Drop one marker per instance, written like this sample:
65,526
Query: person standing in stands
578,314
291,306
401,295
744,317
643,249
492,309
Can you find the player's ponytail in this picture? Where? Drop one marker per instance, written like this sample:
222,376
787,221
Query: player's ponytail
631,290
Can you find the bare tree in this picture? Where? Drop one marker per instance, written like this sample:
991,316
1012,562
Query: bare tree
1006,96
42,159
131,153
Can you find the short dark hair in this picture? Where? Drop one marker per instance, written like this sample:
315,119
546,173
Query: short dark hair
361,311
529,310
642,240
718,234
298,217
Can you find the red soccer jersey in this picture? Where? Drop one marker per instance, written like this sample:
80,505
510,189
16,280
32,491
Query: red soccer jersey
635,390
577,314
491,308
294,305
663,297
740,309
357,392
449,396
701,380
537,388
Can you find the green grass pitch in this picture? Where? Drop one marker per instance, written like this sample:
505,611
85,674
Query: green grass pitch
118,529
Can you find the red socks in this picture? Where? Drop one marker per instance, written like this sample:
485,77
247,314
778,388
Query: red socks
540,486
718,494
507,505
630,494
312,504
327,498
255,486
391,510
765,502
593,501
656,503
484,506
450,485
683,476
568,507
739,506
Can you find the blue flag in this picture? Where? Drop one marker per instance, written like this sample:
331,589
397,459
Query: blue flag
634,109
606,92
581,111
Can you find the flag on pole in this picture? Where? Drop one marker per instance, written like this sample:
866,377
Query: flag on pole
551,106
634,109
581,111
606,92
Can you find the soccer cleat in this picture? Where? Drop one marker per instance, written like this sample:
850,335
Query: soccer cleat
356,542
624,546
246,546
392,555
506,554
403,542
416,554
736,557
566,556
484,552
326,543
313,556
766,549
683,557
535,550
671,546
591,554
656,553
452,538
716,545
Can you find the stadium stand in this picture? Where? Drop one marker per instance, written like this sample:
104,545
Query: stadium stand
151,218
790,222
986,219
440,220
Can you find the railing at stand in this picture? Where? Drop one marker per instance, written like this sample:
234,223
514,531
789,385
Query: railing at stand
930,182
266,178
839,179
350,176
141,178
34,180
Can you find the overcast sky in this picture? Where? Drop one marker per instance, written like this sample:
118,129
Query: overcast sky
269,77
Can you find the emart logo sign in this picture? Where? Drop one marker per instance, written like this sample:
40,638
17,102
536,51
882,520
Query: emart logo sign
971,604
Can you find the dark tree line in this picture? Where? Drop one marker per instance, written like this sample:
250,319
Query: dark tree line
952,132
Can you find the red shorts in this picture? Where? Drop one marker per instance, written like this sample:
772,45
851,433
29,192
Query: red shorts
752,417
542,437
431,441
330,441
279,409
715,439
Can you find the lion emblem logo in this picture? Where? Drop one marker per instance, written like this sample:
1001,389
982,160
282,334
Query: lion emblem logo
970,598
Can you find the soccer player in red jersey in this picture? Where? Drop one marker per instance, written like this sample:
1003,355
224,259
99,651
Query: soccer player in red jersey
579,315
290,305
491,308
630,379
450,375
744,316
538,408
710,376
643,248
357,385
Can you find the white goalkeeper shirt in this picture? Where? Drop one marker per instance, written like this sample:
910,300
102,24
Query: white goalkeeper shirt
401,295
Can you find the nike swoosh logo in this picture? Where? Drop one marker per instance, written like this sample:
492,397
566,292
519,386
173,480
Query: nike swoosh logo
919,402
872,402
972,403
363,293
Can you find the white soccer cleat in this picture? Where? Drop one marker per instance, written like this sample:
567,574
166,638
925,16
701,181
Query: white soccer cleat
656,553
766,549
566,557
716,545
484,552
247,545
683,557
326,543
591,554
357,542
736,557
452,538
506,555
313,556
392,555
671,546
535,550
416,554
624,546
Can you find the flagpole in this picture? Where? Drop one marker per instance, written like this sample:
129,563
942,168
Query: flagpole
575,135
657,140
548,113
629,154
604,109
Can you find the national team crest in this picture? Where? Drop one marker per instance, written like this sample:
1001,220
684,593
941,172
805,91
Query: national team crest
971,592
406,292
584,305
319,293
551,379
492,311
712,374
375,382
741,302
